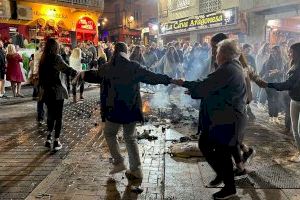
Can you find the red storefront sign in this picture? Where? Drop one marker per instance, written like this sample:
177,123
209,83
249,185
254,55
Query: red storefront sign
86,25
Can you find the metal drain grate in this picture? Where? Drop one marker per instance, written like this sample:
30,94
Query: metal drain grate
267,177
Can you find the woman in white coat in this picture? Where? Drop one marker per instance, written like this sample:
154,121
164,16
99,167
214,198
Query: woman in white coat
75,63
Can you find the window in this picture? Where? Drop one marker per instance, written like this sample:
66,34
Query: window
207,6
117,14
163,8
137,15
178,4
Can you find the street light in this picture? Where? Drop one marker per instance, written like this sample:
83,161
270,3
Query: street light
130,20
155,27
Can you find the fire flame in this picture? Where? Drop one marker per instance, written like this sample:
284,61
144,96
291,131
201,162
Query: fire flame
146,107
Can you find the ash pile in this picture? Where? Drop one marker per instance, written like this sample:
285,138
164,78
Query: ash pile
176,115
176,110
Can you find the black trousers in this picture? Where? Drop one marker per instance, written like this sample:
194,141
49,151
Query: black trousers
40,110
68,83
54,118
273,102
74,87
287,119
219,158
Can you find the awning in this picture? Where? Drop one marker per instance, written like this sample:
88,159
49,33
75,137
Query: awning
37,22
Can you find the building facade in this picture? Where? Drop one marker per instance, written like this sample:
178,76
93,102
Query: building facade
272,22
128,19
67,20
197,21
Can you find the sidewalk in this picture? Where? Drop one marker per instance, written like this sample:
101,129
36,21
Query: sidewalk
27,91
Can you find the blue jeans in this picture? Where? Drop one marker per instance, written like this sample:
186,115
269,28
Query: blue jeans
110,132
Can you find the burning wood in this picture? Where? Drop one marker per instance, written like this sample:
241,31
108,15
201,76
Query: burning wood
146,107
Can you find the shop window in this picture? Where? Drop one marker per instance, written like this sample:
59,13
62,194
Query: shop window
163,8
207,6
137,15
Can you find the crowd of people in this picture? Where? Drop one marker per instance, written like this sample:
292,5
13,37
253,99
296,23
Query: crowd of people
219,74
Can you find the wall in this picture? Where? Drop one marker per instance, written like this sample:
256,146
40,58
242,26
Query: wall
147,9
193,9
256,5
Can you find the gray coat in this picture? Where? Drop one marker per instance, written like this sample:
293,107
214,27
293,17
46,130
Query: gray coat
223,95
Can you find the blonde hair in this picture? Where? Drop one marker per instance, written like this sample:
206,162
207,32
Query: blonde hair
230,48
76,53
101,53
11,49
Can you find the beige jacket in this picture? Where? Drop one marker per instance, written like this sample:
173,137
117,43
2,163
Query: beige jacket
251,75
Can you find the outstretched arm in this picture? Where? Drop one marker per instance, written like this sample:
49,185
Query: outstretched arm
148,77
64,67
215,81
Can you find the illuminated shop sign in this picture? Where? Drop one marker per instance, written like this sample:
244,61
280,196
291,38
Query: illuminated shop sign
202,21
86,23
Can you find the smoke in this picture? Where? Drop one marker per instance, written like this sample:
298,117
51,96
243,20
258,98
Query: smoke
160,98
198,64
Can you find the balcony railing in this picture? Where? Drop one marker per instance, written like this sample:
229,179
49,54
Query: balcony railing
97,5
89,3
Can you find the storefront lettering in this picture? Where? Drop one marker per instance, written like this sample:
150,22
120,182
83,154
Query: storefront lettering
53,15
202,21
86,23
181,25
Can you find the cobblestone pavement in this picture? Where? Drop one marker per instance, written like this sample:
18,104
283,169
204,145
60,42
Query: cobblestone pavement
80,170
24,161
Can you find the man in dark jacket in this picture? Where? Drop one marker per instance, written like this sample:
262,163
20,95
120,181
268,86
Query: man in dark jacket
2,70
122,104
93,52
223,95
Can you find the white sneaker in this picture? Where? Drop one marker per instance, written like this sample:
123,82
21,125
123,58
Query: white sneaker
137,174
295,158
118,168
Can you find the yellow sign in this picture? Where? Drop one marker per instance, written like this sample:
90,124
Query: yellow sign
69,16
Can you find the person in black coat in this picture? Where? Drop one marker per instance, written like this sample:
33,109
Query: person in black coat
121,104
2,70
223,113
51,90
292,85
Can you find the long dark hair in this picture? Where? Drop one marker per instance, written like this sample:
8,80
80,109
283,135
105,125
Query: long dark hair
296,51
137,54
51,49
173,57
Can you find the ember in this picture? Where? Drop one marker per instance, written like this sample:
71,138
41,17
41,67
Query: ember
146,107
